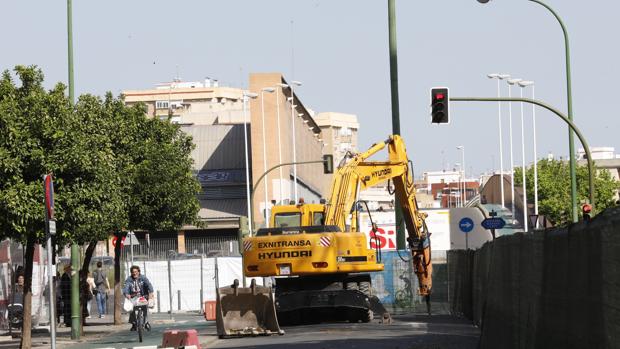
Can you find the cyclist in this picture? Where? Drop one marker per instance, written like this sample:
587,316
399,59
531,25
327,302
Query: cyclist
138,285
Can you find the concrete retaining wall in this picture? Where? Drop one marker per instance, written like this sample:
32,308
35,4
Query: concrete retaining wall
558,288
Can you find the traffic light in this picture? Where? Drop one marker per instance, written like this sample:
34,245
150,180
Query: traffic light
439,105
328,163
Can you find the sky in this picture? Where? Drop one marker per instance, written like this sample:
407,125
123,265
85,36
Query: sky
338,49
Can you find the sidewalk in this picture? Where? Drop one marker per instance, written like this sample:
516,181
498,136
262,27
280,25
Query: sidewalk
94,329
101,333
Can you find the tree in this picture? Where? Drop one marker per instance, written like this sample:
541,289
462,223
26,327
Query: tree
554,200
113,169
41,133
154,159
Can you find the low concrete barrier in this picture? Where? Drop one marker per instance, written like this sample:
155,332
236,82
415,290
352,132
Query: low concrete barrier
558,288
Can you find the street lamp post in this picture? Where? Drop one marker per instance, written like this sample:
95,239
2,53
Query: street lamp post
282,86
571,146
523,167
262,106
525,84
293,83
459,201
464,199
512,163
499,118
246,96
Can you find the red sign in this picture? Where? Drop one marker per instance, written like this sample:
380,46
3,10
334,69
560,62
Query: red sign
385,239
115,239
49,196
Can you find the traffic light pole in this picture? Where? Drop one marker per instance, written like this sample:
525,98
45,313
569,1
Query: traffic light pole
400,222
565,118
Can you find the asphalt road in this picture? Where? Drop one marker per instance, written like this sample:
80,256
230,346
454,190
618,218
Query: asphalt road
406,332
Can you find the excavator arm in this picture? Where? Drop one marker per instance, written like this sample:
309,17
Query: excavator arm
358,174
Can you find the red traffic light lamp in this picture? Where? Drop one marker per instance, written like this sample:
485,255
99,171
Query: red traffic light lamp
439,105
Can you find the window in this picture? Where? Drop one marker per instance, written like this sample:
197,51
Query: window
161,105
289,219
318,218
345,131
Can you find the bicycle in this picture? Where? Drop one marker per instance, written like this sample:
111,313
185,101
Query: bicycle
140,305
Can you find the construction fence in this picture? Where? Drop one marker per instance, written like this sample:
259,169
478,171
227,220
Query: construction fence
557,288
11,265
183,282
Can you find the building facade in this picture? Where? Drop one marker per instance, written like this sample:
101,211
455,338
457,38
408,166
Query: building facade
278,129
339,132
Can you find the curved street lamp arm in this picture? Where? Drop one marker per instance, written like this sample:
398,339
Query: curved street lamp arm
267,172
551,109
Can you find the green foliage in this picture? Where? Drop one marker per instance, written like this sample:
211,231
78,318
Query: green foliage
554,200
164,189
113,167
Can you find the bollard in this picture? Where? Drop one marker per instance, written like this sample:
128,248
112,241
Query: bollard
202,284
179,298
202,303
158,302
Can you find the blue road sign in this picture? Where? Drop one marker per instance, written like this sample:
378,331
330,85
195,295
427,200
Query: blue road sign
466,224
493,223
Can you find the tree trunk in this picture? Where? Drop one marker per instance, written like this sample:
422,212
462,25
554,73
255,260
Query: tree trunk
88,255
26,342
117,279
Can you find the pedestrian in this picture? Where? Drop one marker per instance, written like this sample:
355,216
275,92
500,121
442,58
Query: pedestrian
86,294
18,295
65,292
91,289
102,287
58,294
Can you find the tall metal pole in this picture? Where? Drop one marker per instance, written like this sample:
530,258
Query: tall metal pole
247,177
535,160
501,146
52,291
571,146
262,106
512,162
278,87
247,162
50,229
400,228
293,117
525,220
75,251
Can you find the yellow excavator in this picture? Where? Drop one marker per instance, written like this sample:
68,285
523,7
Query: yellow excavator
319,258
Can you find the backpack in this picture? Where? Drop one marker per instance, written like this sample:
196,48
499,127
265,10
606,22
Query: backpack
99,277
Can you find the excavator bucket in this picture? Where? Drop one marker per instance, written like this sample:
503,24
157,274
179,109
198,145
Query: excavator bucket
246,311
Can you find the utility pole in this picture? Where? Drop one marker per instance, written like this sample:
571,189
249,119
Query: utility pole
400,223
75,251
